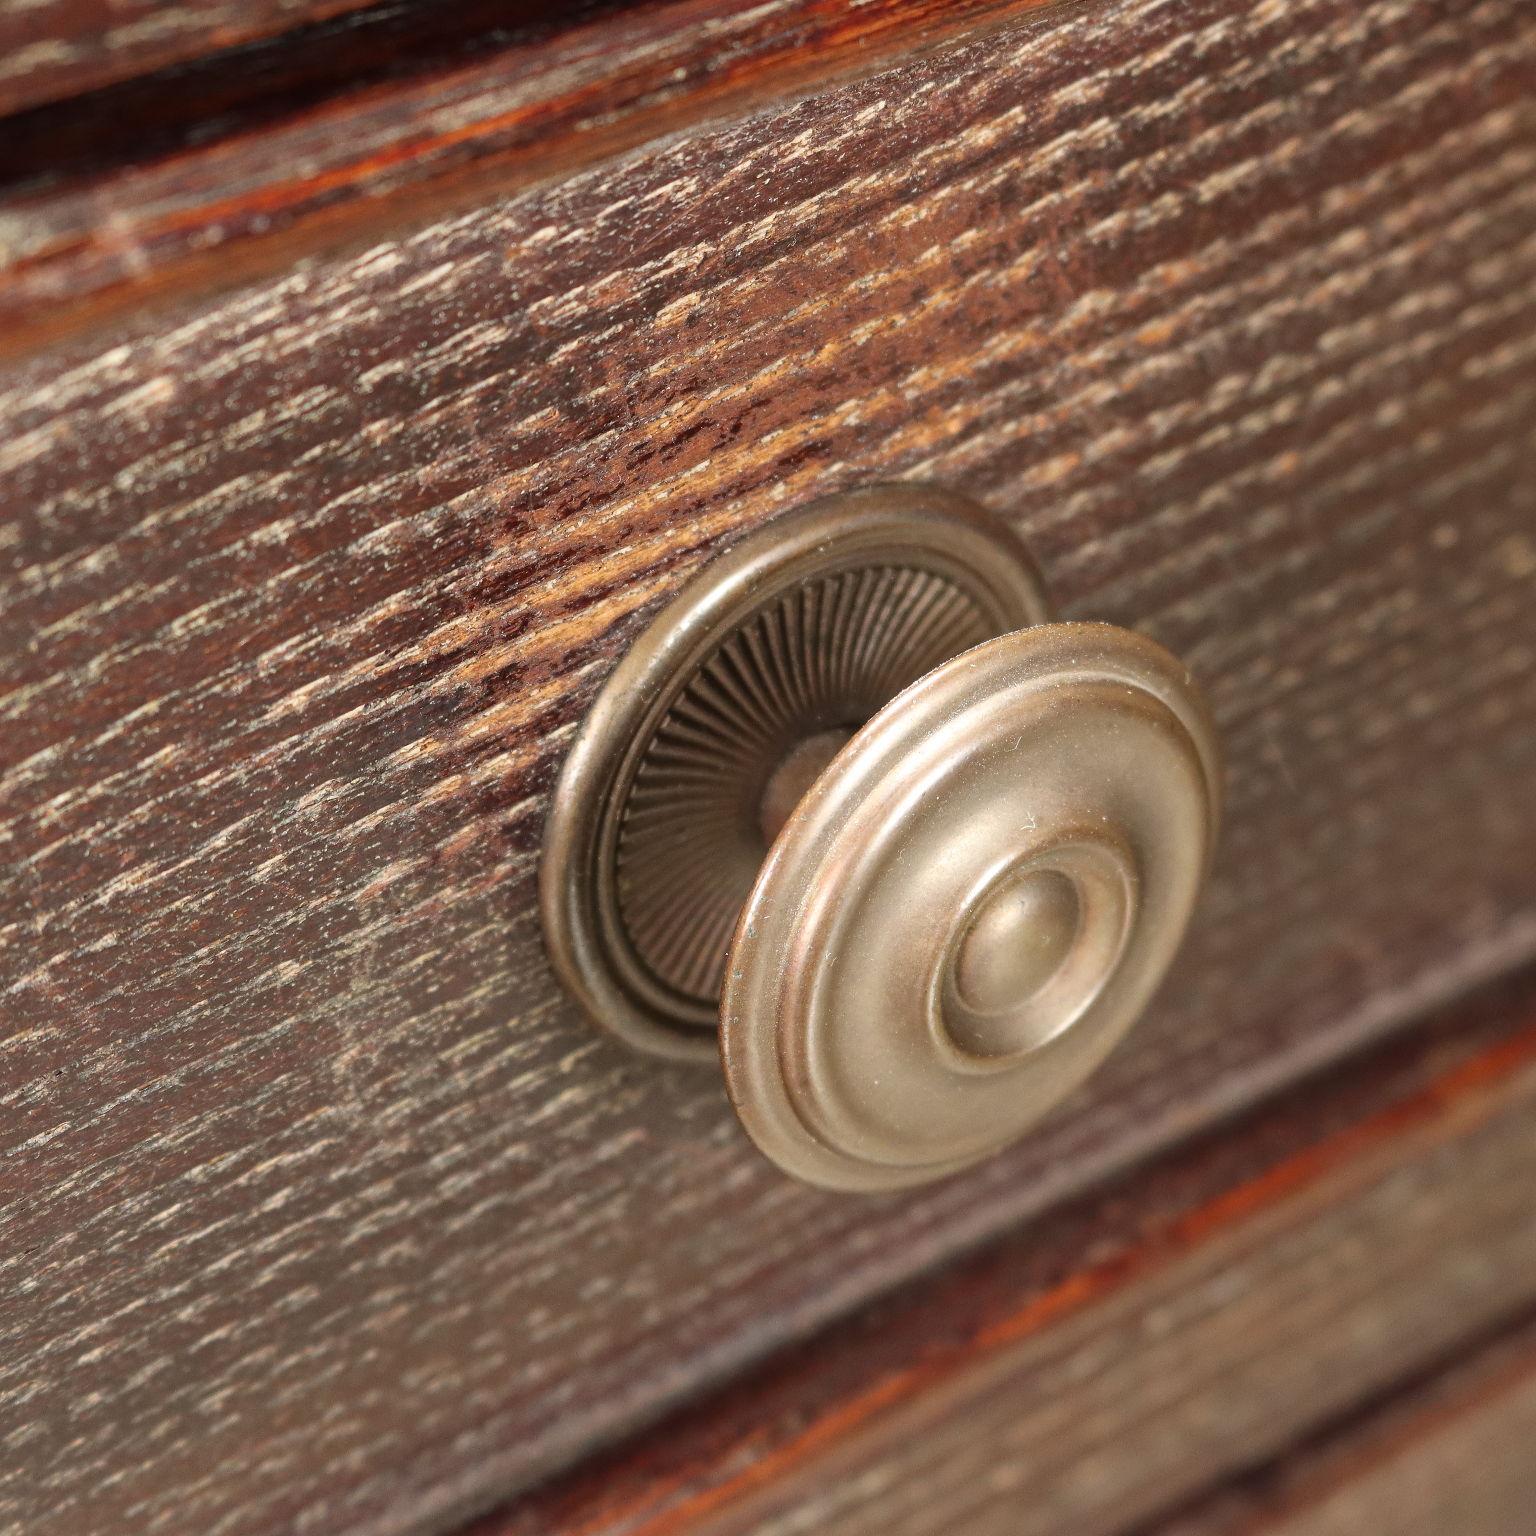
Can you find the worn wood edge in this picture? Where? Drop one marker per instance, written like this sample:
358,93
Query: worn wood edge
50,49
1384,1437
208,97
214,217
926,1341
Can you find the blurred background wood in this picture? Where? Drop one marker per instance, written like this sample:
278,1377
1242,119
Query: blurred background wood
1450,1453
1277,1305
56,48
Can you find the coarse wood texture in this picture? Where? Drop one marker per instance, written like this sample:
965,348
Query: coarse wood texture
53,48
325,1209
86,230
1450,1456
1217,1312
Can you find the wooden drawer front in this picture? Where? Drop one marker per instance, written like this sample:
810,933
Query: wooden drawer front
326,1207
1249,1333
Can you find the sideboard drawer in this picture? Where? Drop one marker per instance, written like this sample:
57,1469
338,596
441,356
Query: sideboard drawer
327,1208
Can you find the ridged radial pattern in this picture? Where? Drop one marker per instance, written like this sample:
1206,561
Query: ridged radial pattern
824,656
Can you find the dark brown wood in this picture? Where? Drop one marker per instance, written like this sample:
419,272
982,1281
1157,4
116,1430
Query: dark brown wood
54,48
1214,1313
323,1207
491,112
214,96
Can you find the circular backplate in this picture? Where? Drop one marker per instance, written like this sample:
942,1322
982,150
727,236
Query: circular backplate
970,906
732,700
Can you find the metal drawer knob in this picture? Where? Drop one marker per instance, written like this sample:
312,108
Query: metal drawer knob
852,812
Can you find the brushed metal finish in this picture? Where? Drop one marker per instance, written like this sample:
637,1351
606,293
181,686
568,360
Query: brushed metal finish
970,907
852,813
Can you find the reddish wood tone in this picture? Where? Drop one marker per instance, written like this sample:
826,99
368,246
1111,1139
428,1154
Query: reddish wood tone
360,164
782,1446
55,48
324,1208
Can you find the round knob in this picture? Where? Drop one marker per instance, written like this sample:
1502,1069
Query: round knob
969,906
913,858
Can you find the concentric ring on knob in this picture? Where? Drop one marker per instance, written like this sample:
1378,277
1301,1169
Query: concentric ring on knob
732,701
970,906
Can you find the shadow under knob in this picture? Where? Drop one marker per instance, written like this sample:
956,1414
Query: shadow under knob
852,813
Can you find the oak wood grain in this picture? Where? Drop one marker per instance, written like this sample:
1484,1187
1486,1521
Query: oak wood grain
481,115
323,1207
53,48
1236,1308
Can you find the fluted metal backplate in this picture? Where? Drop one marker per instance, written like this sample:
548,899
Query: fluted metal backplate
725,709
813,665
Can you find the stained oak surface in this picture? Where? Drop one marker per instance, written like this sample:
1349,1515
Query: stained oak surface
1268,1310
242,162
51,48
323,1207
